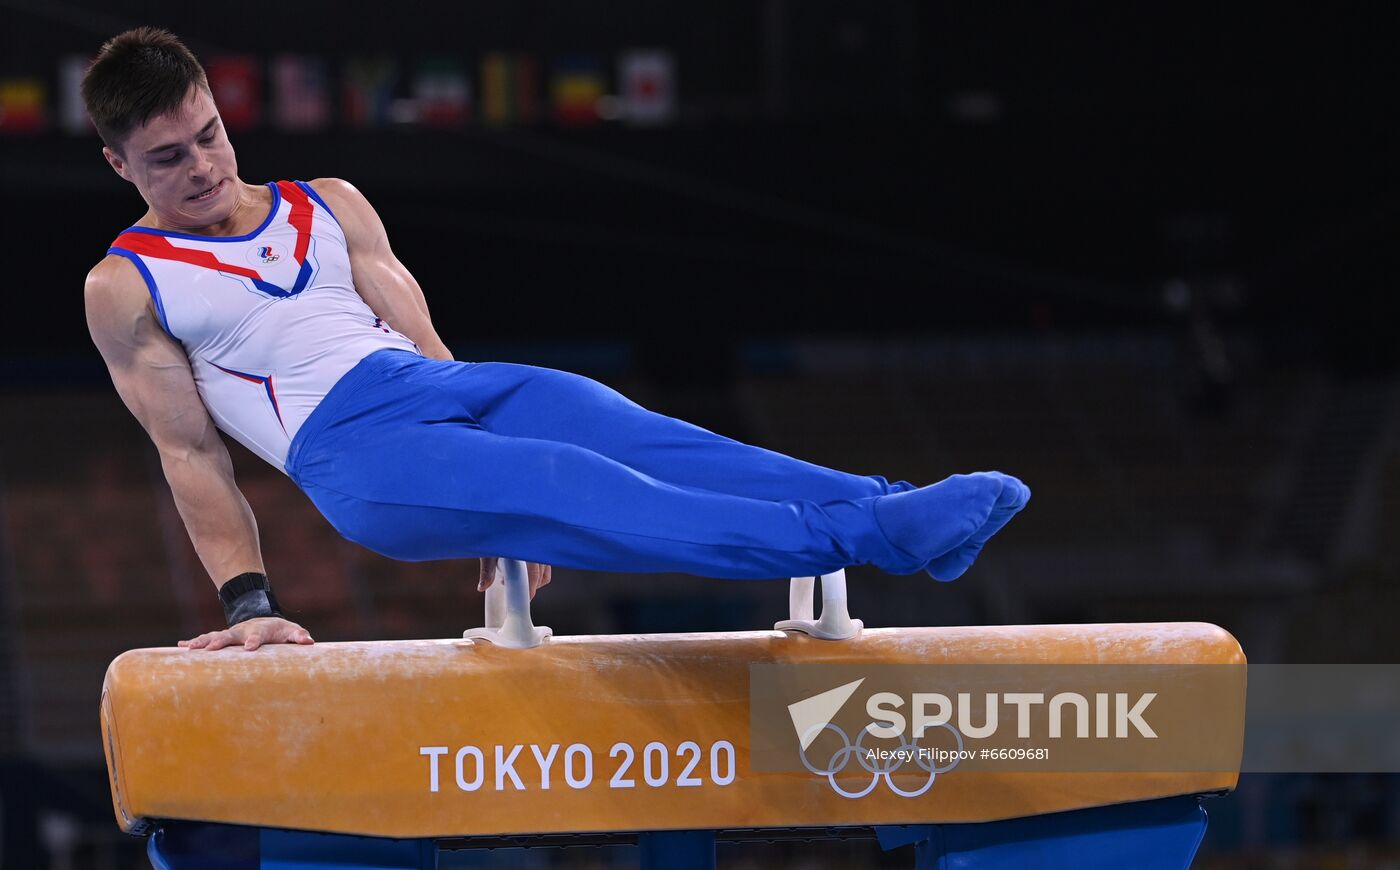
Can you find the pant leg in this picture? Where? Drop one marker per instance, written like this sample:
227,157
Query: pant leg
427,486
533,402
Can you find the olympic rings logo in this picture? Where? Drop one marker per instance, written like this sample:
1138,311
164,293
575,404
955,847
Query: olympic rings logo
878,769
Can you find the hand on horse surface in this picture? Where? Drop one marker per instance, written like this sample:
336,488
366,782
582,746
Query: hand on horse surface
251,633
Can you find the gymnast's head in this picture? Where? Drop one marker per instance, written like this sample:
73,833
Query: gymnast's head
150,101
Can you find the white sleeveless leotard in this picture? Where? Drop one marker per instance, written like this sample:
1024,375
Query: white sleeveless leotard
270,320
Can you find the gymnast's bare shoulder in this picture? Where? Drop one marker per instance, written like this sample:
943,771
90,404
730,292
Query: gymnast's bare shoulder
148,367
352,209
119,307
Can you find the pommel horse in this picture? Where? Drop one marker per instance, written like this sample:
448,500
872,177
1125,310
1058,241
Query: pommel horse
383,754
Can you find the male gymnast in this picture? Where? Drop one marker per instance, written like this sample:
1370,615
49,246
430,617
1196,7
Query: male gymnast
278,314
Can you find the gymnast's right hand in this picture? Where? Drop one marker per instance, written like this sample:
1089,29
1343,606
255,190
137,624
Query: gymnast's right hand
251,633
539,575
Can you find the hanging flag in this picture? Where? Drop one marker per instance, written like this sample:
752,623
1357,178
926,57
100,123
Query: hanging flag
509,89
21,106
235,83
647,78
576,90
495,89
301,92
442,93
369,91
72,115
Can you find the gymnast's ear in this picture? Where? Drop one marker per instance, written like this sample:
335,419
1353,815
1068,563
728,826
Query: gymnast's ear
117,162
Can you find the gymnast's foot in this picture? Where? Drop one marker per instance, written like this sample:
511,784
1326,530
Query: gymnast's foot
952,564
946,525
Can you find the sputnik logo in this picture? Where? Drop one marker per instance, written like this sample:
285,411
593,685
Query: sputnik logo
810,716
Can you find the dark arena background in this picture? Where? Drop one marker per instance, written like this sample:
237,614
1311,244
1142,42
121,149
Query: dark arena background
1140,256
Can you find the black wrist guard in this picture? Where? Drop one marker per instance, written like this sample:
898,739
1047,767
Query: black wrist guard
247,596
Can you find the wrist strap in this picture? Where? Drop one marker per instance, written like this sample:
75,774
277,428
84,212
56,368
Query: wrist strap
248,596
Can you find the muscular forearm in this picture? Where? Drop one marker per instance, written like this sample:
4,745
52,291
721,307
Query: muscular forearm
219,521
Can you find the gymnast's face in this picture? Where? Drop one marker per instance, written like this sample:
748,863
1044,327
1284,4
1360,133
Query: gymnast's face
183,164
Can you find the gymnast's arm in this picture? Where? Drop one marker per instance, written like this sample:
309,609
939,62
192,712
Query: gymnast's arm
152,375
392,293
381,280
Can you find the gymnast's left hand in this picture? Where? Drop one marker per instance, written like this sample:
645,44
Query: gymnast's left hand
539,575
251,633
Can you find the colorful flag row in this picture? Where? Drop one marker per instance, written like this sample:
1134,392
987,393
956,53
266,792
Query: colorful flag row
297,93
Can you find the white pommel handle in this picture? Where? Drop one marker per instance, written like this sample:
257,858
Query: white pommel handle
508,621
835,622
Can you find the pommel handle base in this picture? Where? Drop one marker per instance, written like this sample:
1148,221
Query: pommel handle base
508,622
835,622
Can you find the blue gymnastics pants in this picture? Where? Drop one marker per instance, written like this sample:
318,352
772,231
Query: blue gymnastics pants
422,459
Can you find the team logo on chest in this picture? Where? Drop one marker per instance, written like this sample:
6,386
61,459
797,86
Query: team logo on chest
264,255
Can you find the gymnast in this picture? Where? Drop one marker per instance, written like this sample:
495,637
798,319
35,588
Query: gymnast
278,314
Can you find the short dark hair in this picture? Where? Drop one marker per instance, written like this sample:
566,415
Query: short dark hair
138,75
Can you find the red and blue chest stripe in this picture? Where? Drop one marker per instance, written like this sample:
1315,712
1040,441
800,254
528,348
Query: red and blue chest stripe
160,247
